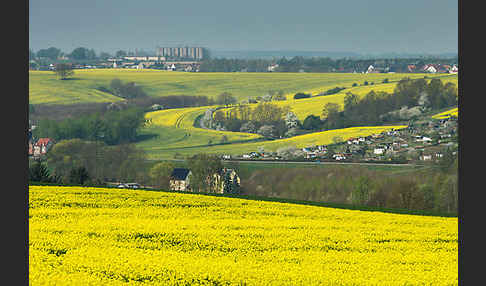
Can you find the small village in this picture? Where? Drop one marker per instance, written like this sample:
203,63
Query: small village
422,141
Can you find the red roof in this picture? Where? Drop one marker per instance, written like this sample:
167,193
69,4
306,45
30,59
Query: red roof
43,141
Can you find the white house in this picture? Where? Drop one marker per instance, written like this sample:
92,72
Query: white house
378,151
180,179
172,67
454,69
430,69
272,68
339,157
426,157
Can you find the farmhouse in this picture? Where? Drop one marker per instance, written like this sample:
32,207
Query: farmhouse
180,179
378,151
220,183
42,146
430,69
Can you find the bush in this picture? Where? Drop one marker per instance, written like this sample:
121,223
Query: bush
300,95
332,91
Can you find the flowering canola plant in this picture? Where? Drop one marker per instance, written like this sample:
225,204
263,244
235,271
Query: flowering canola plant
101,236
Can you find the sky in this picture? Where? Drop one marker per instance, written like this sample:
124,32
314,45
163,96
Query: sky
365,27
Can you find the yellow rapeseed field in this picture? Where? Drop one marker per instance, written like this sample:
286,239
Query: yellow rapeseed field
447,114
99,236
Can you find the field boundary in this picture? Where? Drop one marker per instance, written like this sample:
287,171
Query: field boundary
274,199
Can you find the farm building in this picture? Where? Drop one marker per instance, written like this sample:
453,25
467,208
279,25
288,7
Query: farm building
220,183
180,179
40,147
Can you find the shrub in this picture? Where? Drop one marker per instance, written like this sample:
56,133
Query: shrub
300,95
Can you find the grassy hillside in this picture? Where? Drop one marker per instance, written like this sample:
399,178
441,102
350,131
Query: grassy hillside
96,236
44,87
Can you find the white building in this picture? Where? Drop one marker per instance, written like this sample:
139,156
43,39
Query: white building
378,151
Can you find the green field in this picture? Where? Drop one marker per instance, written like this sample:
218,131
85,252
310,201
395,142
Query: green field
45,88
172,132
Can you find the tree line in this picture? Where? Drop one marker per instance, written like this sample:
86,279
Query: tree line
76,161
316,64
435,189
83,162
111,127
409,99
266,119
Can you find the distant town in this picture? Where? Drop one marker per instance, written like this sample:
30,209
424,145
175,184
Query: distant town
198,59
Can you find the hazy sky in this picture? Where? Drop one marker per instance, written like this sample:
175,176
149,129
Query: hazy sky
374,26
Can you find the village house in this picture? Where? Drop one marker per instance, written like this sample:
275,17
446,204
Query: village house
426,157
379,151
41,147
180,179
272,68
219,182
430,68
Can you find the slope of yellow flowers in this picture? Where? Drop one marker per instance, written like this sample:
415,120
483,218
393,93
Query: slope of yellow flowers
97,236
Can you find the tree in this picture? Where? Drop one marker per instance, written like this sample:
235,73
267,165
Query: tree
219,116
332,115
78,175
230,185
116,86
64,70
267,131
312,122
120,54
38,172
83,54
203,168
50,53
361,191
160,174
300,95
267,113
291,120
248,127
225,98
104,55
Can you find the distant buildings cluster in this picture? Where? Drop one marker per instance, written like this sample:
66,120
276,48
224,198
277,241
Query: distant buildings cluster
196,53
427,68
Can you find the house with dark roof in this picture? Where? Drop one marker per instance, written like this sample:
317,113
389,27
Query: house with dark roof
180,179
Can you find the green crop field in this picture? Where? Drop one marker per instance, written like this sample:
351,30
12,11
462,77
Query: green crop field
44,87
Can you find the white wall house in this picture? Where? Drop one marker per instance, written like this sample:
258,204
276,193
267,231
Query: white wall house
378,151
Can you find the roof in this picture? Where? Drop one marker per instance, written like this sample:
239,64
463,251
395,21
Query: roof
43,141
180,173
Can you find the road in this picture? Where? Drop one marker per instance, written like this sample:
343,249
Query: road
314,163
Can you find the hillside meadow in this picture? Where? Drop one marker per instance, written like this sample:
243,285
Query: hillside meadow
45,88
99,236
